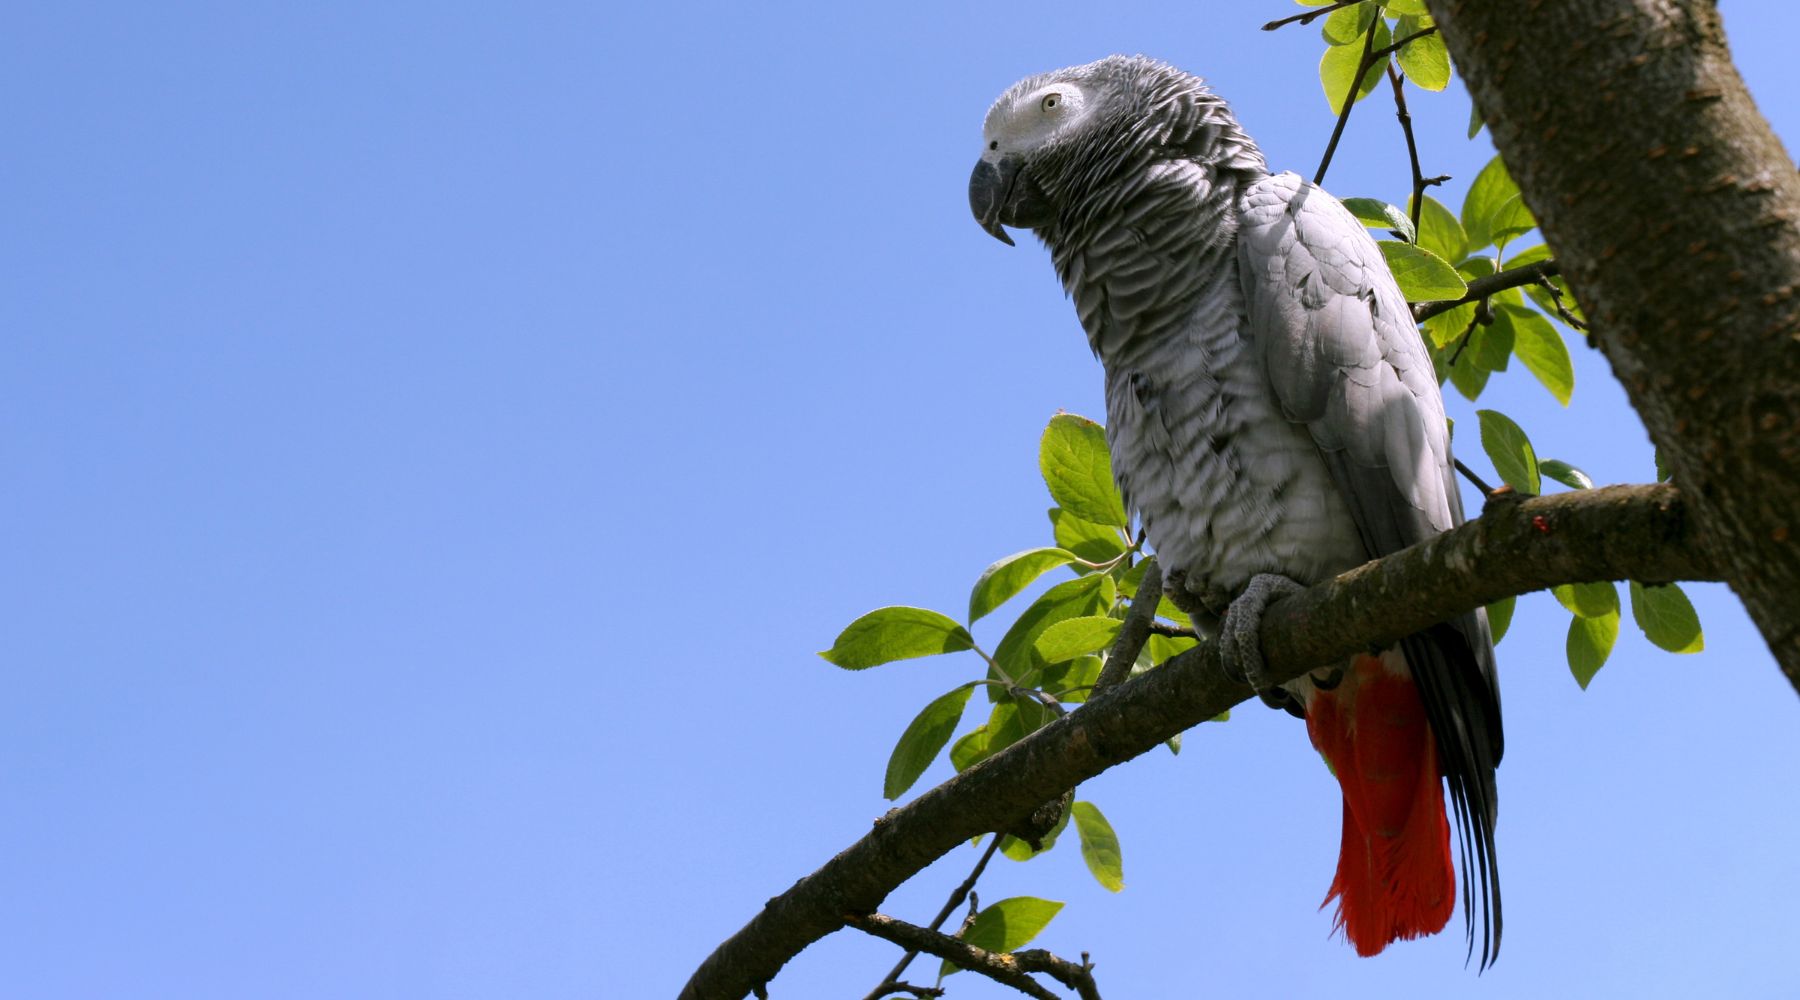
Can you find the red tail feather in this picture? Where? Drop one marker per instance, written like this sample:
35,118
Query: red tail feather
1395,878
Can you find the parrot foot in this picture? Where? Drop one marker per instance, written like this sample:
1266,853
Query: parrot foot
1240,635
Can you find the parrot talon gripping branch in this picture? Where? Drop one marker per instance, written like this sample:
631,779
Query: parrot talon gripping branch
1274,420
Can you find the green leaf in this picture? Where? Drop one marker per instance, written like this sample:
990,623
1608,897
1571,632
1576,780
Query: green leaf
1510,451
1595,599
1491,345
1073,680
1338,67
1662,471
1540,347
1447,326
924,737
1407,8
1425,60
1491,210
1347,24
1667,617
1095,543
1007,577
1011,720
1165,647
1439,231
1590,643
1475,122
1468,377
1099,846
1074,637
1085,595
1500,615
896,633
971,749
1007,925
1078,469
1381,215
1566,474
1422,275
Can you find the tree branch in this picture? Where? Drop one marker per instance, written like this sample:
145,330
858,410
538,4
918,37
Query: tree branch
1640,533
960,893
1675,211
998,966
1485,286
1309,16
1136,629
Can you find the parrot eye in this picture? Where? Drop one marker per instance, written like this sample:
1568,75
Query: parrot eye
994,145
1051,101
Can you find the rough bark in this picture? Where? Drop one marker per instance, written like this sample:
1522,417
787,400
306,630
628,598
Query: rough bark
1619,532
1675,213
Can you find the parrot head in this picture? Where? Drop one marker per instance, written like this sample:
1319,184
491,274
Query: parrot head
1024,130
1055,138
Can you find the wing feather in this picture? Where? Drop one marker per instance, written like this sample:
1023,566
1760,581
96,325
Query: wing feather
1344,358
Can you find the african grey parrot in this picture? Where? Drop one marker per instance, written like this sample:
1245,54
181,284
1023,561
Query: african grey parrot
1274,420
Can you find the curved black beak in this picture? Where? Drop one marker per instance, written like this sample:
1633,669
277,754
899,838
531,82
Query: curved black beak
989,187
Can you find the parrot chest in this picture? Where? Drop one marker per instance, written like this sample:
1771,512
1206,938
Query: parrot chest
1224,484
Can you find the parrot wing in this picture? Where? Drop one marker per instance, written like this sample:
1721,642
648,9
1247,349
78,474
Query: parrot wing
1344,357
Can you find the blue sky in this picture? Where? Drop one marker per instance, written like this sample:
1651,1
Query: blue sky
439,436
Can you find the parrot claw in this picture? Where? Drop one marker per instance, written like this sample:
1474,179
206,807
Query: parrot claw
1240,635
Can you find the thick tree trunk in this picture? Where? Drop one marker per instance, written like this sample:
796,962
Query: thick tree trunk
1675,213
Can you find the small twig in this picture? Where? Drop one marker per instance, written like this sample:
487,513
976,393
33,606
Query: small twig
1562,311
998,966
1469,474
1483,287
957,896
1171,631
1079,978
1136,630
1311,15
1385,51
1412,148
1481,312
1337,131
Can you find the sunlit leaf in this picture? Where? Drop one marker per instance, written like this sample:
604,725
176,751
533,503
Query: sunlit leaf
1338,67
1425,60
1076,466
1500,615
1095,543
1074,637
1491,210
1440,232
1347,24
1381,215
924,737
1422,275
1007,925
896,633
1667,617
1510,451
1566,474
1590,642
1594,599
1010,575
1099,846
1017,654
1540,348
